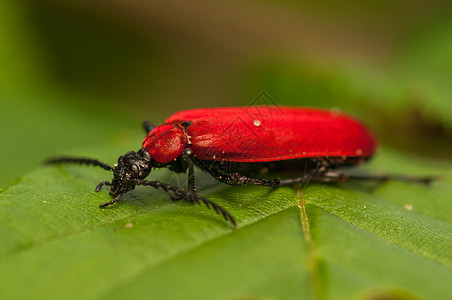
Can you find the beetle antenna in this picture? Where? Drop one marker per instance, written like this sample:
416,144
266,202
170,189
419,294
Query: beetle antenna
78,160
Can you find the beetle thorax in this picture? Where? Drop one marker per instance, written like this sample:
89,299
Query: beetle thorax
166,142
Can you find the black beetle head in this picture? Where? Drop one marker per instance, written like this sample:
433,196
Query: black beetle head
131,168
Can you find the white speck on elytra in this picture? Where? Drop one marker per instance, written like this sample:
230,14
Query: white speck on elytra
257,123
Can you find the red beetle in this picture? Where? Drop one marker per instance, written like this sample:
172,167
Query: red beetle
237,144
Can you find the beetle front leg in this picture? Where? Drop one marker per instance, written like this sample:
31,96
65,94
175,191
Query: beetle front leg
176,193
116,199
101,184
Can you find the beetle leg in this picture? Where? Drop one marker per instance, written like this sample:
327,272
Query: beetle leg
148,126
112,201
330,175
189,196
318,175
101,184
321,174
302,179
240,179
385,177
187,155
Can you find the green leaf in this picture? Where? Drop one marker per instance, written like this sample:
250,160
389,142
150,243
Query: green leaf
353,240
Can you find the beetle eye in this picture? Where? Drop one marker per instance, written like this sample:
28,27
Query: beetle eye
134,168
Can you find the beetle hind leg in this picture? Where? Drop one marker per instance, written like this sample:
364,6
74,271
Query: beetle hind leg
386,177
321,174
331,175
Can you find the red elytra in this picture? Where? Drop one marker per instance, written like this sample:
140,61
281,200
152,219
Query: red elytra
260,134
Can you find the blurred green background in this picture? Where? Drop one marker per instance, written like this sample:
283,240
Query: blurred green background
81,73
78,77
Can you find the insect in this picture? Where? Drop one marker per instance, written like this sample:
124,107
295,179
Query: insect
237,145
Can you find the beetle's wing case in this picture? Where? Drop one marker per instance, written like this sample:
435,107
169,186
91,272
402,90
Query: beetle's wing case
271,133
